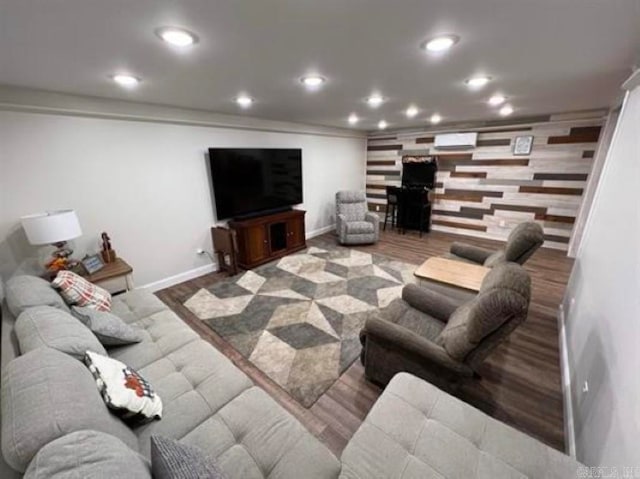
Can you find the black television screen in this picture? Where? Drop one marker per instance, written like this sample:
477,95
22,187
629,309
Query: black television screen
252,180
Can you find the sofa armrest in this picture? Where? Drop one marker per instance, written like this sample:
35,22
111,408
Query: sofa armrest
375,219
470,252
430,302
341,228
392,336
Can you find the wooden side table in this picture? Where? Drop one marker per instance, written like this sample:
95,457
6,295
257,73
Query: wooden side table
114,277
452,272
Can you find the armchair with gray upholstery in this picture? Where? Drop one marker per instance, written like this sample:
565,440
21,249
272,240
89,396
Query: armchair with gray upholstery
435,337
354,223
523,241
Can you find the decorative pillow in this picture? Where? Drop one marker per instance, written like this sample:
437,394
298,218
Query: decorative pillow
173,460
87,454
44,326
108,328
77,290
126,392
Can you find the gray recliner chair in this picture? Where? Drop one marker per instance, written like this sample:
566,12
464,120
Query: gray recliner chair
354,223
432,336
523,241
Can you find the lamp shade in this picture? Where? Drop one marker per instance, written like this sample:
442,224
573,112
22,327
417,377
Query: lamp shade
51,227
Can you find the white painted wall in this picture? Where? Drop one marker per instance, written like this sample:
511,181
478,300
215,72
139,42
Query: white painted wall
602,309
146,183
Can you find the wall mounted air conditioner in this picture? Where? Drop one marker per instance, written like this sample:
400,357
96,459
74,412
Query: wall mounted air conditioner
455,141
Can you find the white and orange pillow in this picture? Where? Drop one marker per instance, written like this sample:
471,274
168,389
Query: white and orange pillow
78,291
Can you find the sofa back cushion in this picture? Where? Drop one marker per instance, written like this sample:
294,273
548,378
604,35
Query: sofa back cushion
523,241
87,454
23,292
351,204
47,394
44,326
503,298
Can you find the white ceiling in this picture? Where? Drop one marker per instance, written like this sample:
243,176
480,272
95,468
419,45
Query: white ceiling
546,55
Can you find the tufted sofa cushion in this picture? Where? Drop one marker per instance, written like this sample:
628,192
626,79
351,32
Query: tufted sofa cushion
44,326
211,404
93,454
45,395
415,430
253,438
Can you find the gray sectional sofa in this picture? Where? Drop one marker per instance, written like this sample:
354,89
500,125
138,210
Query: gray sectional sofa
53,416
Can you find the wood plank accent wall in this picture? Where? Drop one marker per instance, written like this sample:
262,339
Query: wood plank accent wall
487,191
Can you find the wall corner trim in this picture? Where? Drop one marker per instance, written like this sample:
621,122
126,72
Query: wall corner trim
633,81
565,371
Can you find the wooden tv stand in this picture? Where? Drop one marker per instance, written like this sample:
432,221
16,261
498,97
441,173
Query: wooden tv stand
265,238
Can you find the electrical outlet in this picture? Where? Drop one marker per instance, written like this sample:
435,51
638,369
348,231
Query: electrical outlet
503,223
377,207
585,387
199,251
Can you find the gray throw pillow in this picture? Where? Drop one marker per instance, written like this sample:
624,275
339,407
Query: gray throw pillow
44,326
173,460
87,454
108,328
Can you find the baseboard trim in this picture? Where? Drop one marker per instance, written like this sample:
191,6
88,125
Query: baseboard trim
320,231
569,428
179,278
210,268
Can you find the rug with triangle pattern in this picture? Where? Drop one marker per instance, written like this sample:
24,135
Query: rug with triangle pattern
298,319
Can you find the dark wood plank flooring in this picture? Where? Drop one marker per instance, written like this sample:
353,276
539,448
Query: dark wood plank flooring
520,382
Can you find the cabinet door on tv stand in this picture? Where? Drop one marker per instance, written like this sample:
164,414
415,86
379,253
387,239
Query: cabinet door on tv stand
295,232
255,244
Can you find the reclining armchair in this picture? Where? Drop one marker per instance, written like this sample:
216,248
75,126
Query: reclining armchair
523,241
434,337
354,223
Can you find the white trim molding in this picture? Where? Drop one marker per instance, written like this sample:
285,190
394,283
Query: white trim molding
29,100
180,278
212,267
565,371
320,231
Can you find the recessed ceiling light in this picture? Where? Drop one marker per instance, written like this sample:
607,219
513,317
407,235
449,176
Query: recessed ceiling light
375,101
506,110
435,118
178,37
244,101
382,124
411,111
478,82
440,43
124,79
353,119
496,100
312,80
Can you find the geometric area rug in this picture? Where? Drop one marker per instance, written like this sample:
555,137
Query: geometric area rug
298,319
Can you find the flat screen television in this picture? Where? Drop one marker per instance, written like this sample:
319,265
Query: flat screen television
248,181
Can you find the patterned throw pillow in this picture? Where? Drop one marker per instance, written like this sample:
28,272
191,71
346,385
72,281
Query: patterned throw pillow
77,290
124,391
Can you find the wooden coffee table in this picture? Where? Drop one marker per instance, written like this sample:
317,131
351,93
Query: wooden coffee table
452,272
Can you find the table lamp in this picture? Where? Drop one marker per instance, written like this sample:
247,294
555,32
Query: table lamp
56,228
